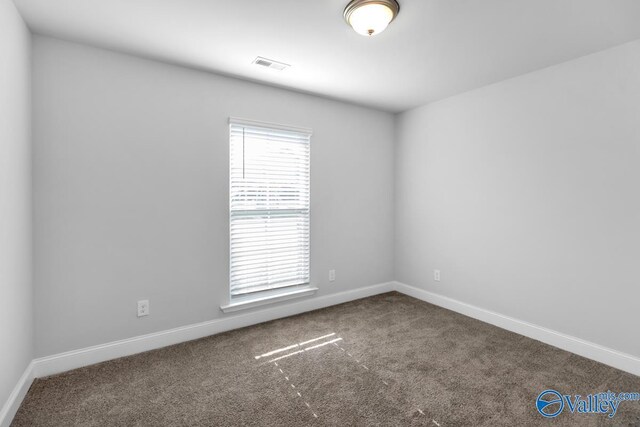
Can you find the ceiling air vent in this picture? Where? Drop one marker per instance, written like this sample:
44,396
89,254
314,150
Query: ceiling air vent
270,63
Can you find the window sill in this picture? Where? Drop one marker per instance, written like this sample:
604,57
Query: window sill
271,299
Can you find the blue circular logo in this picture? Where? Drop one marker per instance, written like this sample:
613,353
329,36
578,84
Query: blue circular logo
550,403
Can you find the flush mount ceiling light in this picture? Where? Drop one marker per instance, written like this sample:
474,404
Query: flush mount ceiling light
370,17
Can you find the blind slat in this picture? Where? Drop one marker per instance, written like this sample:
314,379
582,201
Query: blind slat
270,273
265,287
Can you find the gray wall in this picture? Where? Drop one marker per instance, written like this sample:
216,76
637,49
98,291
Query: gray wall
131,191
16,315
525,195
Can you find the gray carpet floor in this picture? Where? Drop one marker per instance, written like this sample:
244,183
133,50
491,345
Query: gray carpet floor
388,360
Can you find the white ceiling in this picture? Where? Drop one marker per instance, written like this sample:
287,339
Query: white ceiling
434,49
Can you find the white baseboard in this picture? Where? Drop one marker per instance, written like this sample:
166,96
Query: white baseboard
12,404
88,356
619,360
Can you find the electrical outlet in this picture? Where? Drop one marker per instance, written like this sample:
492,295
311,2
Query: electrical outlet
332,275
143,308
436,275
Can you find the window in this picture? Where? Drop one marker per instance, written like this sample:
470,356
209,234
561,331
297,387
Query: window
269,209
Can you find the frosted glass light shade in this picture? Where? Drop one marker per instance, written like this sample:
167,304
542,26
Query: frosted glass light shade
370,17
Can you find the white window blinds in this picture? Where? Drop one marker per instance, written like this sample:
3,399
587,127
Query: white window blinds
269,207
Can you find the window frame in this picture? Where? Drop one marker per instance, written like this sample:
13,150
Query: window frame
258,298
